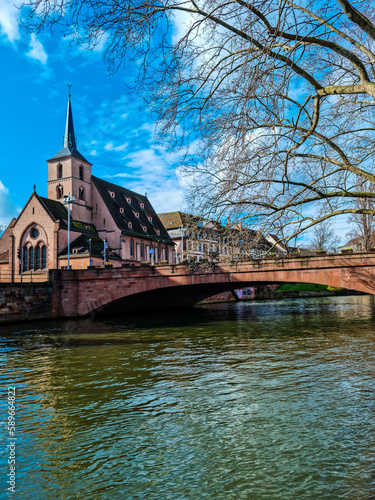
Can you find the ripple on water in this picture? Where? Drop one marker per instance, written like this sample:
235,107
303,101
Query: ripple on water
252,401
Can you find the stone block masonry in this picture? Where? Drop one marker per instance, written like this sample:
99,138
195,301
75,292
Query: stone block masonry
21,302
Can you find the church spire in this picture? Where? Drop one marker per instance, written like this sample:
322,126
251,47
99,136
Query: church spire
69,137
70,145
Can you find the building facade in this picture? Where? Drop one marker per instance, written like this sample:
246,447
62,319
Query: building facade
197,239
109,224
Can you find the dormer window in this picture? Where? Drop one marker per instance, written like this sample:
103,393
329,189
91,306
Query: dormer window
121,210
149,218
112,194
144,228
142,205
130,225
128,200
158,232
59,171
136,214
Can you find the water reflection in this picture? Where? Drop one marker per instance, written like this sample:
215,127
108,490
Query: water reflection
253,400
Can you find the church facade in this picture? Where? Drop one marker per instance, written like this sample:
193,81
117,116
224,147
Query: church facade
109,224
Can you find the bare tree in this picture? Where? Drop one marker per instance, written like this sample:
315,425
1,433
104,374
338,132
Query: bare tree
279,94
364,223
324,237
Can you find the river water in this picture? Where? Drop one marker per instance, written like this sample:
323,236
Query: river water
257,400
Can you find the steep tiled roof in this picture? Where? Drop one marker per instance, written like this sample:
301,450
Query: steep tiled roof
171,220
82,245
124,211
55,209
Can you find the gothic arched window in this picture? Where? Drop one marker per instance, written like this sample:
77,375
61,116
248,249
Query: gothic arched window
31,259
59,192
81,194
81,173
37,264
44,257
25,259
59,171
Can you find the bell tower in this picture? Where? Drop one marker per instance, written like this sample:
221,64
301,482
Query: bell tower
70,172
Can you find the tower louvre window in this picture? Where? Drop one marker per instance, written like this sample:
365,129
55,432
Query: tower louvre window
59,171
81,193
81,173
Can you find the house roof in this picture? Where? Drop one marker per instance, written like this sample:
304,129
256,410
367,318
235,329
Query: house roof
171,220
124,212
56,210
82,245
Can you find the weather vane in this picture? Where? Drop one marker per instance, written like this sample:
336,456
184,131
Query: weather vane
69,90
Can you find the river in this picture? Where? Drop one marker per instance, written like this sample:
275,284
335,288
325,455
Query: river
257,400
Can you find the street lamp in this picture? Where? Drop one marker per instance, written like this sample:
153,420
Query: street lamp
90,262
67,201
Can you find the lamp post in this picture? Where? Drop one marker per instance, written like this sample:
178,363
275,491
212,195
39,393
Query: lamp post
67,201
90,261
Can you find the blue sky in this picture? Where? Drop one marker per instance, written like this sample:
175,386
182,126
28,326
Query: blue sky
113,128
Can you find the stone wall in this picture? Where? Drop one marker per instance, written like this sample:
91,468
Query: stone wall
25,301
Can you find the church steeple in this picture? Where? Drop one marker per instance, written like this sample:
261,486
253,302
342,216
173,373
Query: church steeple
70,145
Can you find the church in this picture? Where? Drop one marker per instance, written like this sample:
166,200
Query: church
108,224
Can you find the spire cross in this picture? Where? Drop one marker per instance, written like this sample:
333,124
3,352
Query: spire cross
69,90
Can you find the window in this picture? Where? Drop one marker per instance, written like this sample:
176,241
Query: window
130,225
81,194
131,248
25,259
149,218
158,232
142,249
31,258
136,214
142,205
129,200
33,210
144,228
112,194
81,173
44,257
158,253
59,192
37,265
121,210
34,233
59,171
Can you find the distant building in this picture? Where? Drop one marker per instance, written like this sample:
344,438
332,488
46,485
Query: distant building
104,218
196,238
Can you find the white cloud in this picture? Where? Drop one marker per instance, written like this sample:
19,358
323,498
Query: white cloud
36,50
110,147
9,19
8,209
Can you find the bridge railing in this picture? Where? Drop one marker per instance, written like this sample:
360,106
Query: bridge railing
29,277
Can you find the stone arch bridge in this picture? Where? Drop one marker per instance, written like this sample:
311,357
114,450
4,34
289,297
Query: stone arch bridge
80,292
